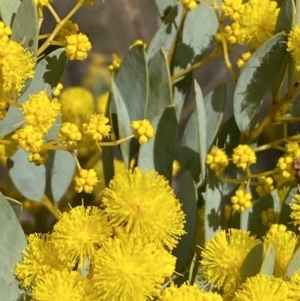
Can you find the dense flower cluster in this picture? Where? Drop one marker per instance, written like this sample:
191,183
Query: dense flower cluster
143,130
217,160
189,4
264,185
78,45
97,127
241,201
86,180
243,156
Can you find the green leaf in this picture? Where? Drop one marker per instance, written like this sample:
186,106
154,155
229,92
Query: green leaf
160,88
25,27
297,17
268,263
164,7
194,268
8,10
286,16
214,103
29,179
187,195
214,207
123,122
293,265
199,29
47,75
164,145
255,79
132,82
13,241
60,168
167,32
252,262
16,206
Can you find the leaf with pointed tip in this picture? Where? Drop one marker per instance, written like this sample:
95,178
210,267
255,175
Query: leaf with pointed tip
29,179
16,206
252,262
256,78
13,241
267,266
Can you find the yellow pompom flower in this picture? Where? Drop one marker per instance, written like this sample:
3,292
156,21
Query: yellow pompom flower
217,160
223,257
233,8
294,287
285,243
70,133
295,207
243,156
40,258
231,33
16,65
269,217
129,268
76,104
142,130
264,186
29,139
293,45
263,287
79,233
257,22
188,292
116,63
97,127
38,158
285,166
241,201
5,32
78,45
40,112
68,29
62,285
145,205
86,180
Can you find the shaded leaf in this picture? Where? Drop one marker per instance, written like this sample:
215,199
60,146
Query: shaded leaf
16,206
285,17
164,7
160,88
13,241
8,10
268,263
24,32
293,265
132,82
255,79
187,195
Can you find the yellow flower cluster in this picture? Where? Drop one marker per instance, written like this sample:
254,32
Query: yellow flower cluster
38,158
269,217
217,160
78,45
253,21
293,45
295,207
70,133
189,4
243,60
97,127
57,89
40,112
86,180
241,201
143,130
233,8
264,186
90,255
116,63
243,156
285,163
5,32
68,29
